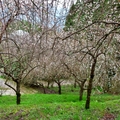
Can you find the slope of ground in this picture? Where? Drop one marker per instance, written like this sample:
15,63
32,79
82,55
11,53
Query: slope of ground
60,107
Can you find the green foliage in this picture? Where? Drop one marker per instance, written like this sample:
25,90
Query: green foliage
111,72
3,76
102,11
14,68
20,25
81,14
23,25
70,19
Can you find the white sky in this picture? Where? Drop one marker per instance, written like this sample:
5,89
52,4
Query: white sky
67,3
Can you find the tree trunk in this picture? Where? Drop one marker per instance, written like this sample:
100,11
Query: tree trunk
48,85
81,93
18,95
82,89
59,88
75,84
89,89
44,90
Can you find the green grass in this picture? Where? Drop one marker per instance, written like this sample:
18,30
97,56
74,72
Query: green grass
58,107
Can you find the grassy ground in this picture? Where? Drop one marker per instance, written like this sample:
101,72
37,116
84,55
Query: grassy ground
59,107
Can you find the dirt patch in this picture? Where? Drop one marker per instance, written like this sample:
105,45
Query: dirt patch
44,90
19,115
108,116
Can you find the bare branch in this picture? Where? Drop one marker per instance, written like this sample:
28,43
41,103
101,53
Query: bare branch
10,85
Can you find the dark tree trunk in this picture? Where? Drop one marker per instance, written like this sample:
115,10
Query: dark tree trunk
18,95
59,88
75,84
18,98
48,85
89,89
